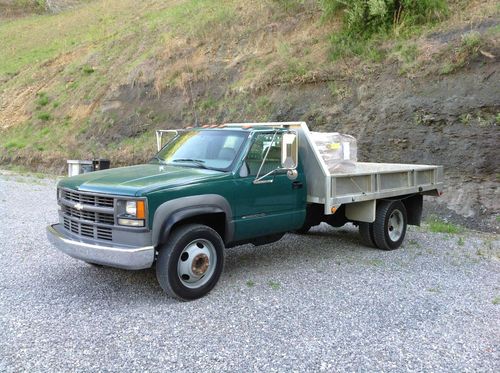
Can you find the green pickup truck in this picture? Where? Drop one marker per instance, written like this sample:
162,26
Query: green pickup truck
208,189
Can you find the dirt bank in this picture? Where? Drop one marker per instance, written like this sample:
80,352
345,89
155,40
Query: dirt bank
435,119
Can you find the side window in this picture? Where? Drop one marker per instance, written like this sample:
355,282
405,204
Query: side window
256,154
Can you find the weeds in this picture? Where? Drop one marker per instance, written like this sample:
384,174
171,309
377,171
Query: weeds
465,119
15,144
496,300
208,104
460,241
458,57
434,290
42,99
437,225
43,116
448,68
263,103
274,285
375,262
250,283
406,54
87,69
471,41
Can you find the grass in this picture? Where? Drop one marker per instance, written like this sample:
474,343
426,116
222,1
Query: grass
42,99
43,116
434,290
496,301
407,53
274,285
86,69
15,144
375,262
437,225
459,56
250,283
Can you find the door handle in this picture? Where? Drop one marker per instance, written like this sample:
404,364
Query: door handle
297,185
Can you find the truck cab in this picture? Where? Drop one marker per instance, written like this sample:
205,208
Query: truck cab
216,187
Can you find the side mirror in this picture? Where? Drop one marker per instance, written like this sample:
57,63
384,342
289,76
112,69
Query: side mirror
289,151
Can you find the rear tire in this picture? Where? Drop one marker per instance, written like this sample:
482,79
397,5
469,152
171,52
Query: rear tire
189,265
366,233
389,228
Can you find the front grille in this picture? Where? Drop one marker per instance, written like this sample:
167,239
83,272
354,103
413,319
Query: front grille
95,217
88,230
87,199
88,224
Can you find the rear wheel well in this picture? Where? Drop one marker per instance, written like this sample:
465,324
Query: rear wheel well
216,221
413,205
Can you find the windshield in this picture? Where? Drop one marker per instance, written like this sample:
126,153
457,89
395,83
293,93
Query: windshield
212,149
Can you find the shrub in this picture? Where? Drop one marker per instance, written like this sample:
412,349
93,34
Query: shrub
364,19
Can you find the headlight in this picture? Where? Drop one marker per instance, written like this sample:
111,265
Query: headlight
131,213
131,208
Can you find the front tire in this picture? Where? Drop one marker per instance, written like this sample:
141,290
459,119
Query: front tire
189,265
389,228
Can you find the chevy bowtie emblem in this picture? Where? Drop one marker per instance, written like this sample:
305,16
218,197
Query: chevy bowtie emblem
78,206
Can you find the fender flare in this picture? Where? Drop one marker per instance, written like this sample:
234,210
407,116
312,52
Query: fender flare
173,211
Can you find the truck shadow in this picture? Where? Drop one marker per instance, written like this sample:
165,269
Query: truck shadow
321,244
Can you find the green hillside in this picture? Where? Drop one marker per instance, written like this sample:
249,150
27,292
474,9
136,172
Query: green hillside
97,79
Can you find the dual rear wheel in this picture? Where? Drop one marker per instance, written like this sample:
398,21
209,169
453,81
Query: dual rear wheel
388,230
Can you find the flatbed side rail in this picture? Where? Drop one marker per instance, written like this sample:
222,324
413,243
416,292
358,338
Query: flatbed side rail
351,188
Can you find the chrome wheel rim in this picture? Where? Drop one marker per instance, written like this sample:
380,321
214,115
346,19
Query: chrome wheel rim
196,264
395,225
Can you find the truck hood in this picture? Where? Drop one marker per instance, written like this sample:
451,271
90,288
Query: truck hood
137,180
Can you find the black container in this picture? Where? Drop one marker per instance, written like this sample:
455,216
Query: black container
100,164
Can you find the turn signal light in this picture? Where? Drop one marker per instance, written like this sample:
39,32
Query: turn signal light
141,210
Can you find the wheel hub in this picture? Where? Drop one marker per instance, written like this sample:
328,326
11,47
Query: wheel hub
200,264
196,264
395,225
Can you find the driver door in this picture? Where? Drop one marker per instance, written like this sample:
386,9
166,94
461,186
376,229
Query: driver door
274,204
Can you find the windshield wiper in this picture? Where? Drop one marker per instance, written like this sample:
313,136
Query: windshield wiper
160,161
199,162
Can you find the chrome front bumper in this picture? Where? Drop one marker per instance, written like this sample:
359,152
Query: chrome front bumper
113,256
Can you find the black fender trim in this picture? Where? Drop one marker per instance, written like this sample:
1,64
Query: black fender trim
173,211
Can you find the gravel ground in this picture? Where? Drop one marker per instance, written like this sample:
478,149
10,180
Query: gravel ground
320,302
